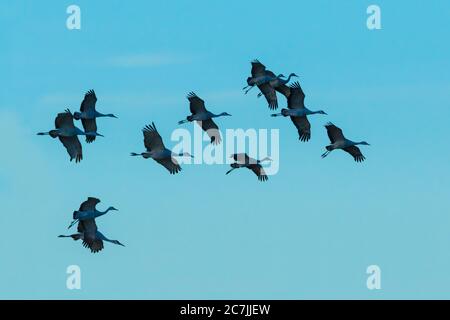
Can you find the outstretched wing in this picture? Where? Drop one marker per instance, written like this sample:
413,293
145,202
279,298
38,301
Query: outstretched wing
334,133
270,94
152,139
89,125
356,153
196,105
170,164
95,244
89,204
211,128
258,69
64,120
303,127
89,229
284,90
296,100
73,147
241,157
259,171
88,103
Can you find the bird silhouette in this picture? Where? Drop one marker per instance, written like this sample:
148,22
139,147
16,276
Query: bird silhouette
90,236
68,135
338,141
203,117
88,114
88,210
244,161
279,84
158,152
268,83
298,112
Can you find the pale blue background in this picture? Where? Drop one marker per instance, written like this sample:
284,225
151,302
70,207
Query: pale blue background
310,232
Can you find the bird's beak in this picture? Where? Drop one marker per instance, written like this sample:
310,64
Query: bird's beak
100,135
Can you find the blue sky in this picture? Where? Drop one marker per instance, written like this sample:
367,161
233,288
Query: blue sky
309,232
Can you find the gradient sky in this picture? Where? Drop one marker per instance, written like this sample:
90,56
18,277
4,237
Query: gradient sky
309,232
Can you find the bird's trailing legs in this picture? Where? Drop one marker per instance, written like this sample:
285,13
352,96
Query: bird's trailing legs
277,115
246,91
75,237
182,121
326,154
72,223
93,134
230,170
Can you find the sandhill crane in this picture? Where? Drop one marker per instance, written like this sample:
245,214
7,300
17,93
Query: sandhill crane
158,152
259,76
88,114
88,210
67,134
244,161
203,117
338,141
298,112
279,84
261,79
268,83
92,238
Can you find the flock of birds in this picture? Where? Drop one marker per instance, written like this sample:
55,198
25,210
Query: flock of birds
265,80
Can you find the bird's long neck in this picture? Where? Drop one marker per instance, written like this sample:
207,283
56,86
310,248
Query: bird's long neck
100,115
101,213
102,236
289,78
